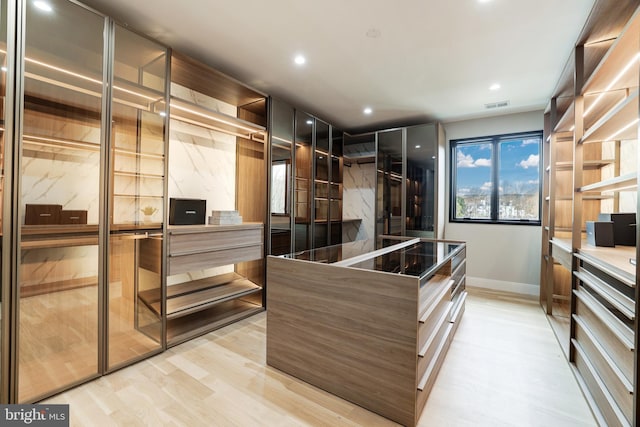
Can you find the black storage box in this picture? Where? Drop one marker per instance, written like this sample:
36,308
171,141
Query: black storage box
624,227
42,214
187,211
600,233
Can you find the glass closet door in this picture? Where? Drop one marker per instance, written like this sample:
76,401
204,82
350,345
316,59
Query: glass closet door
302,196
389,193
335,186
281,177
60,198
421,186
321,182
137,188
3,102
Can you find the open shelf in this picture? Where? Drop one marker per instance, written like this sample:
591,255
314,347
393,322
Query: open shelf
565,123
197,295
191,113
623,182
617,124
614,261
184,328
621,53
60,143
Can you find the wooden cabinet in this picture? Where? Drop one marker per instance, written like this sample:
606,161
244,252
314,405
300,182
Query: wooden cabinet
372,327
593,169
215,274
198,306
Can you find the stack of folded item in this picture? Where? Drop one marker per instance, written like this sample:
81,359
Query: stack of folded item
225,218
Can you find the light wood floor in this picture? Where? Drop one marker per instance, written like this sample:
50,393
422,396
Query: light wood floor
504,368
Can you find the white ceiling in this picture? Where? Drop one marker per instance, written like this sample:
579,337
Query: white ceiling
433,59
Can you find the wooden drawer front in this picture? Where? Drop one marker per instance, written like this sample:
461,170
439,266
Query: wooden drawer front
562,256
430,323
614,380
458,276
214,240
618,350
458,308
429,378
426,329
596,392
432,292
204,260
428,351
458,259
609,290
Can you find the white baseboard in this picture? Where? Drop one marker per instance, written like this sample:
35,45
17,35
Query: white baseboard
500,285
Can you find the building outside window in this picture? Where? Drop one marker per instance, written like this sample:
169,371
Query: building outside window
496,179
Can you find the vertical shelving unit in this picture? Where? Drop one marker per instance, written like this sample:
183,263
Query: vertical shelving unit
215,273
593,169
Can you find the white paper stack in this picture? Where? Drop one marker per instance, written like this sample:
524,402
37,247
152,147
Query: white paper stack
225,218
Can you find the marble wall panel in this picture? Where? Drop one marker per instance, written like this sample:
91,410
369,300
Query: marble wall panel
359,187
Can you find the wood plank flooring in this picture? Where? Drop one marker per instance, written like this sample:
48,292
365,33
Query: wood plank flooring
504,368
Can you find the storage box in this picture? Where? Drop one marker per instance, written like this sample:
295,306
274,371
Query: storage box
73,217
600,233
36,214
624,227
187,211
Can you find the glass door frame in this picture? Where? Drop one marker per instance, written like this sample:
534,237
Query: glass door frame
10,258
108,204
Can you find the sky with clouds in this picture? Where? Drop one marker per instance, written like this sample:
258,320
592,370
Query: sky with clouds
519,163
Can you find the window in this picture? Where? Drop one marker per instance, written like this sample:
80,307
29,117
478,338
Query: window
496,179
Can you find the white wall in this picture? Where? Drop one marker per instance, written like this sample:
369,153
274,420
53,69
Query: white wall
502,257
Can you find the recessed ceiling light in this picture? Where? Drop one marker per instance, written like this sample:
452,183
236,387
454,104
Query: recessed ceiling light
309,122
43,5
494,86
3,68
367,110
418,146
163,114
299,59
484,1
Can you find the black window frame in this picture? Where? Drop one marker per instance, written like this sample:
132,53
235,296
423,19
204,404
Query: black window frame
495,141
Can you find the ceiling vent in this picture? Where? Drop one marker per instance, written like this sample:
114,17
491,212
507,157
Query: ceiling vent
499,104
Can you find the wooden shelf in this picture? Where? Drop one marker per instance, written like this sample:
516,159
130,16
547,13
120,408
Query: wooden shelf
132,153
187,327
565,124
138,175
59,242
137,196
614,261
190,113
197,295
617,58
564,166
45,142
597,164
617,124
598,104
623,182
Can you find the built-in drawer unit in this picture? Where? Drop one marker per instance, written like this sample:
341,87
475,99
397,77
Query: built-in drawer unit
372,327
200,247
603,340
197,306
